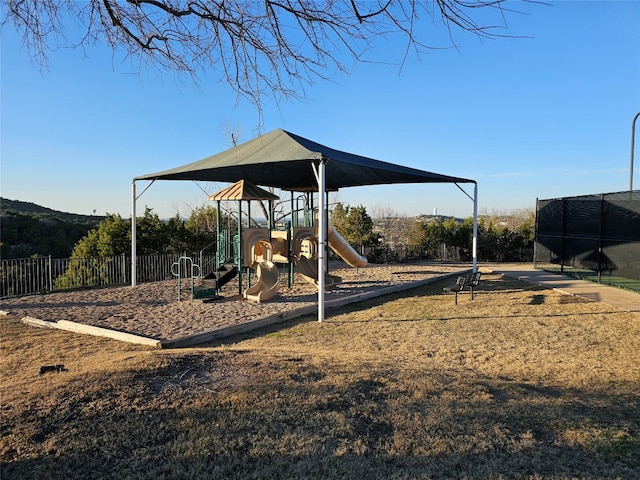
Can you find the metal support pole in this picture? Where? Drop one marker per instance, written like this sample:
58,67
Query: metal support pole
240,247
474,248
289,253
474,245
293,222
633,135
133,235
320,175
219,247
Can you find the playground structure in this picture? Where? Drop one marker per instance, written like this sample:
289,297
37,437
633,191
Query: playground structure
254,252
290,162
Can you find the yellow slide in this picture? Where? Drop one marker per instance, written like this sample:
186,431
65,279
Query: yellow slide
346,251
267,284
307,264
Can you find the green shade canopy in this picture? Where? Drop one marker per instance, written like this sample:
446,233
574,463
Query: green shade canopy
287,161
284,160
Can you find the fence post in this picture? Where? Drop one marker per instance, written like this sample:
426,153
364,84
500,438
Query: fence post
535,235
50,276
124,268
562,231
600,232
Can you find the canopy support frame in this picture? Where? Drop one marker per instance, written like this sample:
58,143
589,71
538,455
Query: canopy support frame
320,174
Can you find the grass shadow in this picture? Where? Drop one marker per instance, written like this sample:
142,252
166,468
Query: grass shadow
289,417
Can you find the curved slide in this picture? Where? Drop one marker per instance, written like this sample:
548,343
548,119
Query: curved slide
267,284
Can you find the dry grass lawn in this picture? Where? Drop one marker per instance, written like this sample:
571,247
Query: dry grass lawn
521,382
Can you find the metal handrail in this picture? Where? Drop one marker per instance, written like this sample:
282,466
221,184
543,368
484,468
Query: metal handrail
194,273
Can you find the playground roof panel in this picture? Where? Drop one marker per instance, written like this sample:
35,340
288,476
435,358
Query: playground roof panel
284,160
243,190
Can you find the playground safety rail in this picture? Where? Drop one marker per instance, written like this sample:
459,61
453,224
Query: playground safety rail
193,272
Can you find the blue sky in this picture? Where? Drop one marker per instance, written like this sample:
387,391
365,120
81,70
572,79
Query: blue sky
544,116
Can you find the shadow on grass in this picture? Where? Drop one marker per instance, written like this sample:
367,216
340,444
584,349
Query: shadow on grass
293,418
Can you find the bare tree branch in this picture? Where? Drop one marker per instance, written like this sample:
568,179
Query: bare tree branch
275,47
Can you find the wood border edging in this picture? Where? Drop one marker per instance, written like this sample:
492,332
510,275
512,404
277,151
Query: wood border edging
93,330
224,332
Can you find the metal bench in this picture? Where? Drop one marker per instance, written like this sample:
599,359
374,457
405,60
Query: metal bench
469,281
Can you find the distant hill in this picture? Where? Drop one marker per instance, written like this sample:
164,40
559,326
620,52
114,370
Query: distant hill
27,230
18,206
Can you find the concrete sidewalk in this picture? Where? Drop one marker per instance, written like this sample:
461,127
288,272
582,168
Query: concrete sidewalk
616,297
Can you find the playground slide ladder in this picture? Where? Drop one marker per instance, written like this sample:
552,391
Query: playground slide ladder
213,283
223,272
209,286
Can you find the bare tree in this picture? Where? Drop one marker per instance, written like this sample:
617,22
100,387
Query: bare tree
274,47
516,219
232,134
393,227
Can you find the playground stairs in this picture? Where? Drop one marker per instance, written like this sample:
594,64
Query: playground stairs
212,283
